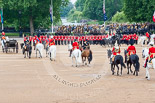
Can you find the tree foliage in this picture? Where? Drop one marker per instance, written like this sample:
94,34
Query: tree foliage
80,5
65,10
119,17
139,10
74,15
33,12
93,9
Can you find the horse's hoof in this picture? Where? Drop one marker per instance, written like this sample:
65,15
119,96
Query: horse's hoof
89,65
148,78
127,73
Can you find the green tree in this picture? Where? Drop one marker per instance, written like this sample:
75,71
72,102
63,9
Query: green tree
119,17
65,10
93,9
34,12
80,5
139,10
75,15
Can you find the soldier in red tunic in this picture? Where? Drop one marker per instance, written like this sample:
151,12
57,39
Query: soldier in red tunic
75,45
51,42
151,53
131,49
148,37
58,39
115,51
3,33
30,39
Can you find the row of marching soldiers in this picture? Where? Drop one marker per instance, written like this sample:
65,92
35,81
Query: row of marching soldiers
93,39
64,40
126,38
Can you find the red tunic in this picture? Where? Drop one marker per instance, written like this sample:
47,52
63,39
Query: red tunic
147,35
136,37
151,50
51,42
3,33
75,45
58,37
72,38
69,38
115,53
25,39
107,36
30,38
42,37
3,38
131,49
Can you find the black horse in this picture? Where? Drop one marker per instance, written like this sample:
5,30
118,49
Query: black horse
117,60
27,48
133,59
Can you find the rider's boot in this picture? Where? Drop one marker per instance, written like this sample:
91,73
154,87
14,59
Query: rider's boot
110,61
145,64
150,60
70,53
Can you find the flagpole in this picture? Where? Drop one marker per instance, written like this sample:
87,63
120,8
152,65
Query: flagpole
2,20
52,14
104,9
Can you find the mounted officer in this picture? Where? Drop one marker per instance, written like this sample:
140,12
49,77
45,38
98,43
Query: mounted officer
151,53
86,45
115,51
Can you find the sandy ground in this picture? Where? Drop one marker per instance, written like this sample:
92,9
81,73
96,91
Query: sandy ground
38,80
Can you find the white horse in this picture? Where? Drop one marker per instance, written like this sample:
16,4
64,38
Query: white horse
52,52
39,47
77,55
145,54
141,40
152,36
3,42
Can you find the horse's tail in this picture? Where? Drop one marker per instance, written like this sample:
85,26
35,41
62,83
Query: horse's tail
137,66
122,63
90,56
23,50
30,49
79,59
